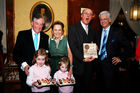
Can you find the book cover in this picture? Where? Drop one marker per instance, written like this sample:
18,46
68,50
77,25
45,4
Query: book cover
89,50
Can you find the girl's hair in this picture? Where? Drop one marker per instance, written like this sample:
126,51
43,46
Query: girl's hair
66,61
41,52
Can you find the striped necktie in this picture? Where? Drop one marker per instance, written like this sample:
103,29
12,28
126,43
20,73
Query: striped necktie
103,49
35,40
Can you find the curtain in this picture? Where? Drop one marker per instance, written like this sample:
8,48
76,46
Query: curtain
116,5
3,23
135,25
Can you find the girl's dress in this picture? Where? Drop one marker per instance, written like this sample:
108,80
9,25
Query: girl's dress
64,89
36,72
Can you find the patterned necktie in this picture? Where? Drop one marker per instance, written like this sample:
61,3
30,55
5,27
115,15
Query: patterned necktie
35,40
103,49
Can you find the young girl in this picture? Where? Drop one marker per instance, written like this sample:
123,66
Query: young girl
39,70
63,67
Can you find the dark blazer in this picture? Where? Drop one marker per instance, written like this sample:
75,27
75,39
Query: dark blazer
76,37
24,48
107,73
115,42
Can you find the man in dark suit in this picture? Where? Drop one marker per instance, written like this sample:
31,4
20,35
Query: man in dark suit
82,67
111,42
25,48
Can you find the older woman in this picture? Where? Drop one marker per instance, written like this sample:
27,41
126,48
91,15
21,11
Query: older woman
58,46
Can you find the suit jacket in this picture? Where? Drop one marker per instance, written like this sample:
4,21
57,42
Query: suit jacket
76,37
107,73
115,42
24,48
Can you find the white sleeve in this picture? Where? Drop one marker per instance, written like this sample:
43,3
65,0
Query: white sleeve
68,45
29,80
72,77
49,41
55,76
49,73
23,65
49,77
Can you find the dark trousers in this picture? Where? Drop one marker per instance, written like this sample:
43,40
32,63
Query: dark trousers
83,82
24,87
107,77
54,89
134,77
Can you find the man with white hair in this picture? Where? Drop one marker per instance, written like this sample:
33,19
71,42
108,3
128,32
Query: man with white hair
110,41
29,41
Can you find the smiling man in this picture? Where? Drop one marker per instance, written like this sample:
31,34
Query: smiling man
79,34
29,41
110,40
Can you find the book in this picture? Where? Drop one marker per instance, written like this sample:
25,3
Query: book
89,50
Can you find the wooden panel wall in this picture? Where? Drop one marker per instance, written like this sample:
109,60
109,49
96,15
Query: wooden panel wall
9,27
74,8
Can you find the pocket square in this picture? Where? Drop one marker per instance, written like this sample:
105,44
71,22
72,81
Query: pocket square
113,41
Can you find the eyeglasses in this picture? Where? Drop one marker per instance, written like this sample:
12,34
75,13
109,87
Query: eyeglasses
105,19
90,14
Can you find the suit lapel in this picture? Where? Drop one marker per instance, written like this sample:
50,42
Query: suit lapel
40,40
82,33
99,37
110,36
30,40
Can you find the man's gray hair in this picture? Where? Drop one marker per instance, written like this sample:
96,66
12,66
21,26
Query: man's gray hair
105,12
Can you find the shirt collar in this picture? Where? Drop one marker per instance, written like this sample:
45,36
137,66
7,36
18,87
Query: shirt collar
84,26
62,72
39,66
107,29
33,32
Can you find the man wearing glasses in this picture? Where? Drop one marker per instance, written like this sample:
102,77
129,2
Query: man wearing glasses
79,34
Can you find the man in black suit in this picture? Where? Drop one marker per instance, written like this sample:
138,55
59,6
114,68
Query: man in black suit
111,42
82,67
24,48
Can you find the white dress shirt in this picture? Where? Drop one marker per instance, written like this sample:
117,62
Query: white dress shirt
24,64
103,37
85,27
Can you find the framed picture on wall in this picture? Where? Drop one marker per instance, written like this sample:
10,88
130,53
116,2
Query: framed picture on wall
44,9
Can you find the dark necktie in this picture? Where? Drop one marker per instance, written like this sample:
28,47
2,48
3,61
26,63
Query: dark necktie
35,41
103,49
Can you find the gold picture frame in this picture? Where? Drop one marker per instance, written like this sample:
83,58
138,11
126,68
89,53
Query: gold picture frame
46,10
